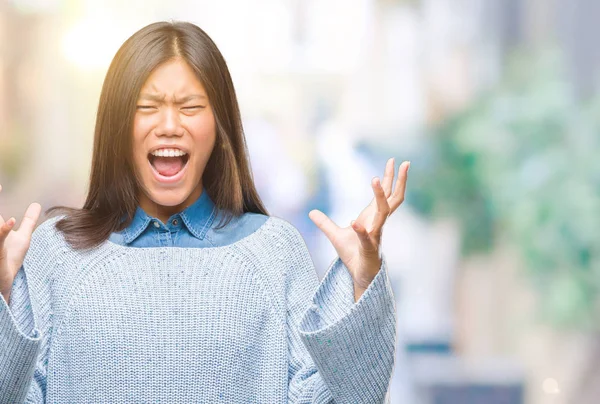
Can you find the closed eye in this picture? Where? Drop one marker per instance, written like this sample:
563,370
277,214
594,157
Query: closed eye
152,106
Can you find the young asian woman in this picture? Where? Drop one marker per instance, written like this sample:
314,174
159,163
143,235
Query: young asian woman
172,283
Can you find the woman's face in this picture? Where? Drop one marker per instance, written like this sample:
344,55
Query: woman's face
173,138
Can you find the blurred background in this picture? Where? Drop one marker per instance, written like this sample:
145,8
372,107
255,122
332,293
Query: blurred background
494,256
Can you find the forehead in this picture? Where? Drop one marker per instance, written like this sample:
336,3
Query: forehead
173,77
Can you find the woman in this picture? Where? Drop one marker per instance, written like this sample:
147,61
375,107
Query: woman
98,307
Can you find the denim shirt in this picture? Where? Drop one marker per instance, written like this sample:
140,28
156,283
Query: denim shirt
192,227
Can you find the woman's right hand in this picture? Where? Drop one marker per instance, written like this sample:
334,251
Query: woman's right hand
14,245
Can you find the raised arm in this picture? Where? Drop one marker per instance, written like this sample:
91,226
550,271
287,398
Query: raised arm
339,350
20,340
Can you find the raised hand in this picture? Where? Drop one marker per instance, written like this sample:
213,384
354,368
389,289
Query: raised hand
358,245
14,245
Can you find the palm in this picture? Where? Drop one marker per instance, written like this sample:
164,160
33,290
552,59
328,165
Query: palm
360,242
367,215
14,245
347,242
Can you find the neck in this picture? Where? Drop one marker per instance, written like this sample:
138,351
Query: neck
162,212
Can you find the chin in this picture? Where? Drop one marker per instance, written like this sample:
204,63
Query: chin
170,197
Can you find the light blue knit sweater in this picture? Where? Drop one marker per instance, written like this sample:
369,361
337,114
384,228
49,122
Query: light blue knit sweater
243,323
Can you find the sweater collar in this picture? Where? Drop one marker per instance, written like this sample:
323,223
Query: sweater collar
198,218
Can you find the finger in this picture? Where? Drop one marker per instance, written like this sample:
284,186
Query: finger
1,218
30,219
363,235
5,230
383,209
388,177
324,223
398,196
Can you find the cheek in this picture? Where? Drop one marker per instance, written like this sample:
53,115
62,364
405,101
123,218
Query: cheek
141,128
140,162
204,134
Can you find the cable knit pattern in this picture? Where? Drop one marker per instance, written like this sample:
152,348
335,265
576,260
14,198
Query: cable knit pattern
247,322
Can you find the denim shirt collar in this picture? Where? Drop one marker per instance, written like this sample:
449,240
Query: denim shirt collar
198,218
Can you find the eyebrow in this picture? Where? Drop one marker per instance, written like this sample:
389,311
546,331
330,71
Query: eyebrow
161,98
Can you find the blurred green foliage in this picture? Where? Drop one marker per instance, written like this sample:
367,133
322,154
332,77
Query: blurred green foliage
523,164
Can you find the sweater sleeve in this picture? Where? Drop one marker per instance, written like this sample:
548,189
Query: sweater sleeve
20,343
339,350
26,323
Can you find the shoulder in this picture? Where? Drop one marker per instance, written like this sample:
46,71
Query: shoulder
265,235
279,255
252,220
47,247
284,229
46,241
46,232
238,228
282,236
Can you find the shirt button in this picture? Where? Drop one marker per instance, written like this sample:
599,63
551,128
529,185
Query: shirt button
175,222
156,224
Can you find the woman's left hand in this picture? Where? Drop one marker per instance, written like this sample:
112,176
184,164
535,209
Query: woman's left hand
359,244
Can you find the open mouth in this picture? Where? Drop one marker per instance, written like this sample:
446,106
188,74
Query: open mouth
168,163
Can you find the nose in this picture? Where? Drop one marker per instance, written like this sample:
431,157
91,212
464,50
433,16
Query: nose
170,123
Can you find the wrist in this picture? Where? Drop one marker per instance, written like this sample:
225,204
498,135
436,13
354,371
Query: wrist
358,292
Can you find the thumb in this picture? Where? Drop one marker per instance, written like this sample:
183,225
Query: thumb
363,236
324,223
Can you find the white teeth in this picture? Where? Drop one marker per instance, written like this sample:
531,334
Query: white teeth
168,153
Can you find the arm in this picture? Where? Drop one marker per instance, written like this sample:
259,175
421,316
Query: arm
22,376
339,350
20,340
